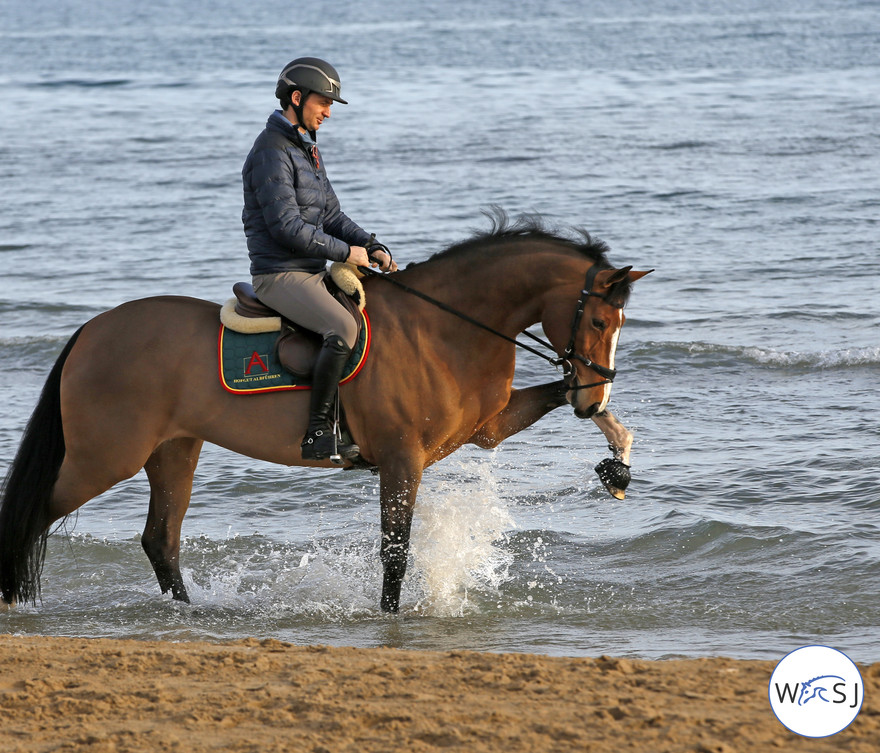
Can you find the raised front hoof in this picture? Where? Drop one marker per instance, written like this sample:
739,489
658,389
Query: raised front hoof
615,476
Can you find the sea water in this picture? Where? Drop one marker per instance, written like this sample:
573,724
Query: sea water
733,148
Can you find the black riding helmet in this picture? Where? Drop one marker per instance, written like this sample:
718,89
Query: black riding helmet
308,75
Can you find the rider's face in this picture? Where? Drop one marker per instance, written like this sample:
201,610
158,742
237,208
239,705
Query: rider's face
315,111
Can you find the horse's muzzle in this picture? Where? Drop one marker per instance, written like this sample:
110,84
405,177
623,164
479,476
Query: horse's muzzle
587,412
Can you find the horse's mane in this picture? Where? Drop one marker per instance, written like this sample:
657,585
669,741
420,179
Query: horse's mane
531,227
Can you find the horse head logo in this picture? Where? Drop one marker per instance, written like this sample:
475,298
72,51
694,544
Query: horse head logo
815,689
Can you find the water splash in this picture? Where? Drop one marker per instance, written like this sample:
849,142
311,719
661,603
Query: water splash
459,548
331,579
459,541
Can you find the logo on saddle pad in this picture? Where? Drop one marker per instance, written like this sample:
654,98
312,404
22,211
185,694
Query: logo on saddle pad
257,361
249,363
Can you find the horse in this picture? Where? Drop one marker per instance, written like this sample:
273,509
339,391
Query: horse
136,387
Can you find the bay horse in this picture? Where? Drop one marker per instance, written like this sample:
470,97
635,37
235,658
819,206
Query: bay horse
137,387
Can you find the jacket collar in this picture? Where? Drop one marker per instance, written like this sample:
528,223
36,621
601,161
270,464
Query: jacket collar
277,122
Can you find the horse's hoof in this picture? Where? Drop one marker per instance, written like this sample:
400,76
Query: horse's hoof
615,476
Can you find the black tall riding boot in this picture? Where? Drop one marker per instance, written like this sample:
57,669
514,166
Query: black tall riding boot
319,442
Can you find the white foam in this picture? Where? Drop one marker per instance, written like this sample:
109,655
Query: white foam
459,539
459,547
823,359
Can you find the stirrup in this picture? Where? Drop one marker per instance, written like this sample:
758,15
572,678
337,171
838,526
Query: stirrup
322,444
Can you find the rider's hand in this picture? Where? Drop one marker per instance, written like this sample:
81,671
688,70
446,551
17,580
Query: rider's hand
384,261
358,256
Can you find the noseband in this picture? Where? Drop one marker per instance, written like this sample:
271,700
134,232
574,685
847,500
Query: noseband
568,355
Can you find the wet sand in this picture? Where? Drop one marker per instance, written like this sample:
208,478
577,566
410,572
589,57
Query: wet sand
102,696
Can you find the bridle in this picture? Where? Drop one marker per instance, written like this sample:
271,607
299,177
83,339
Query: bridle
569,352
568,355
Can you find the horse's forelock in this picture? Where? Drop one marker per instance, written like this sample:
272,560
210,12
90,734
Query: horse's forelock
619,293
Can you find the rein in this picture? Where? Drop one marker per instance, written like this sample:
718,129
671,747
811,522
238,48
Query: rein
569,353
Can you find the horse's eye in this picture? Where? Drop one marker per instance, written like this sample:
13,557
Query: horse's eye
599,324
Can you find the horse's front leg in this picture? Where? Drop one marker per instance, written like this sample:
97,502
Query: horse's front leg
398,486
614,472
523,409
526,406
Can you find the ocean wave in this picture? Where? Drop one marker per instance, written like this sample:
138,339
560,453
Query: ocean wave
680,569
35,351
685,144
714,354
820,315
85,83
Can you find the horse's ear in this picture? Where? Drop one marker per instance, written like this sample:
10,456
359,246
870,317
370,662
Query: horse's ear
633,276
619,275
614,276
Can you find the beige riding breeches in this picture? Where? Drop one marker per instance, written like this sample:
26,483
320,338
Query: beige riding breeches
303,298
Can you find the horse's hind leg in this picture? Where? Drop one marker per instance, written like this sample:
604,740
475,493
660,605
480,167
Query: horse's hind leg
170,470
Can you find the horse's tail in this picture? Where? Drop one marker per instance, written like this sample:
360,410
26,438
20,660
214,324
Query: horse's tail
27,490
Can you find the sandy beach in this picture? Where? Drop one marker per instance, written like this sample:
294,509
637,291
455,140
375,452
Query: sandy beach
102,696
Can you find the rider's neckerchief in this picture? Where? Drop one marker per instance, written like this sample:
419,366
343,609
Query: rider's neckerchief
311,147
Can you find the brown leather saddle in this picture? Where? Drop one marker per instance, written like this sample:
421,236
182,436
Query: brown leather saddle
297,347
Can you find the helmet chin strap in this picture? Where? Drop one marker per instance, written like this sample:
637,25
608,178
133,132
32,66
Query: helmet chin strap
298,111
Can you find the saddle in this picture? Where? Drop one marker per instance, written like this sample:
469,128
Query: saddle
296,348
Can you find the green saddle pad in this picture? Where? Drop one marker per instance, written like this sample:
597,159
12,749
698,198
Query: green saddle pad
249,364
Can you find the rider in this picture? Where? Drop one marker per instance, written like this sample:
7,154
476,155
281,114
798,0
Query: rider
294,225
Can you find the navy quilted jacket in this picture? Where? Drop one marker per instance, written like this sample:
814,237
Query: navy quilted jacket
291,215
